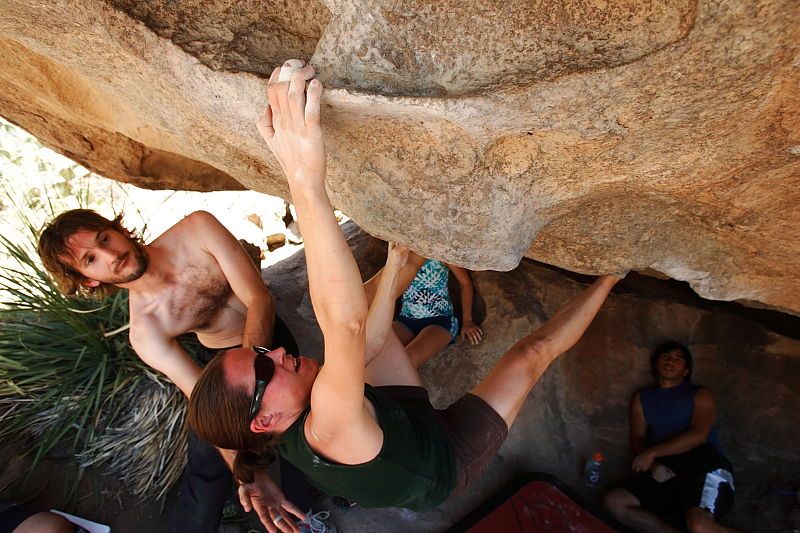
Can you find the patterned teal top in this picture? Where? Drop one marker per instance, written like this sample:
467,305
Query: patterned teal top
428,296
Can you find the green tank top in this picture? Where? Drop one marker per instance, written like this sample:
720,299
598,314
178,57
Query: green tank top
415,469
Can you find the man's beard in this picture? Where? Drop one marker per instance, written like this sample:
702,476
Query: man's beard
140,259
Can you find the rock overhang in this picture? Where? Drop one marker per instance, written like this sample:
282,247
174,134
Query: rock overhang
666,139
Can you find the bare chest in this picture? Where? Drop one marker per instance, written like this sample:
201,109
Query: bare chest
198,298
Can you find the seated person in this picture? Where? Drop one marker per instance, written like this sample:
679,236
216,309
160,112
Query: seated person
679,464
361,426
427,322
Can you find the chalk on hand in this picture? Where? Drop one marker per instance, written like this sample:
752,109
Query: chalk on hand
287,71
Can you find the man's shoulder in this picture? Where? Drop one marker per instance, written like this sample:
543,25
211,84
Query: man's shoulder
196,222
702,393
187,237
193,223
145,326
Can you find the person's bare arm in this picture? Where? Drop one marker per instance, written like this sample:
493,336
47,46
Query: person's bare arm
291,127
705,413
637,425
469,330
163,353
381,311
638,439
243,277
404,278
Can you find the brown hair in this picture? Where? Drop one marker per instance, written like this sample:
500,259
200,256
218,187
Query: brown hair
219,414
53,250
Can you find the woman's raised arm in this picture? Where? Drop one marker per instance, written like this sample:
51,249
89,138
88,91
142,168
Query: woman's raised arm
291,126
381,311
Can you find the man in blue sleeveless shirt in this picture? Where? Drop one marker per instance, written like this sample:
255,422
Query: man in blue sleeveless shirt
679,466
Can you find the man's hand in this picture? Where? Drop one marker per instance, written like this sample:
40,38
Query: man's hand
643,461
471,332
291,124
660,472
271,506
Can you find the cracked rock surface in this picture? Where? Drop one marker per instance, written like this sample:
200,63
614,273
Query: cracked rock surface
594,136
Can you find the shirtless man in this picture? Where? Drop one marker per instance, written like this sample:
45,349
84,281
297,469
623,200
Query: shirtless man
196,278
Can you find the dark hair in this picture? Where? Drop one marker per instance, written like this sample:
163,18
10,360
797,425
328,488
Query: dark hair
668,347
219,414
52,250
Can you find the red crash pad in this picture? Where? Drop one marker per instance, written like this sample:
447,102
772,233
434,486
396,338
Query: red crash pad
539,507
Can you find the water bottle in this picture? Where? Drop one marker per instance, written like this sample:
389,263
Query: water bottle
591,472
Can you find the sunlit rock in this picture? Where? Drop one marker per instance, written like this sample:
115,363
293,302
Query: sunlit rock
595,136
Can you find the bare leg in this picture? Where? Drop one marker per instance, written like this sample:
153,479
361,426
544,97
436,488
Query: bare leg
45,522
392,366
701,521
513,377
627,510
430,341
403,333
404,279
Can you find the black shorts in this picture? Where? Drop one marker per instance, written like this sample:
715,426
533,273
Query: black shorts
703,478
476,431
446,322
13,515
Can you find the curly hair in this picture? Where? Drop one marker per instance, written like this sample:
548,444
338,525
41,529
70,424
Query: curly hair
219,414
54,253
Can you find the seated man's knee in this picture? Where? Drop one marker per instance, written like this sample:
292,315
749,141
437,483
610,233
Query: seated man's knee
46,521
699,520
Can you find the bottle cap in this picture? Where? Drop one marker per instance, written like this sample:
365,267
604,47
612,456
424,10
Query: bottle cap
598,457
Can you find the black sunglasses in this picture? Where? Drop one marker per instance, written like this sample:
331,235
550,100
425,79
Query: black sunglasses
265,368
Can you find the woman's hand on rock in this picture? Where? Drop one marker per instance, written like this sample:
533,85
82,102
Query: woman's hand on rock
291,124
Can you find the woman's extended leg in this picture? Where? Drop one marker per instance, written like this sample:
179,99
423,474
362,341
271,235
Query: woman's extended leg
513,377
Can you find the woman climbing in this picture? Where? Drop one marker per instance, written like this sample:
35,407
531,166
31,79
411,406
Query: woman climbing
361,425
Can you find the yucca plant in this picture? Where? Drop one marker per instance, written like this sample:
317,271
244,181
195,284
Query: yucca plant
69,378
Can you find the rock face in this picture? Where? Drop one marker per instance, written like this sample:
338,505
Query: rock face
660,136
580,406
